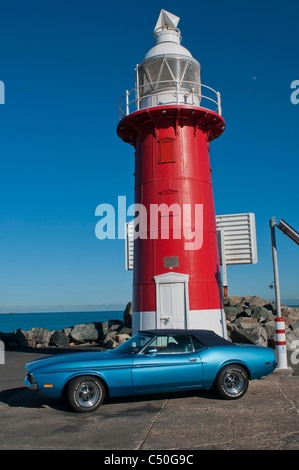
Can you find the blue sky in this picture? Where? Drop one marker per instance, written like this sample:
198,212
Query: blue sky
65,66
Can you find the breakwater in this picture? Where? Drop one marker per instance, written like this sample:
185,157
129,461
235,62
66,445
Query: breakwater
249,320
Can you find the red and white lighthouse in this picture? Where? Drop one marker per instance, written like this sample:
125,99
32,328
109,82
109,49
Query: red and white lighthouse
176,279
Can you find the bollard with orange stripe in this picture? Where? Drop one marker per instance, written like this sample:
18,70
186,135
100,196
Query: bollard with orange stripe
280,343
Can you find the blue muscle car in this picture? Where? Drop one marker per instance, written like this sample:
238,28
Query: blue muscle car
151,361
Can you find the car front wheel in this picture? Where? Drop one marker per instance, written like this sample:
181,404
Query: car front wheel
85,393
232,382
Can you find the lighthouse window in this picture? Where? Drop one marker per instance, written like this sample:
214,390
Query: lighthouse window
167,151
162,73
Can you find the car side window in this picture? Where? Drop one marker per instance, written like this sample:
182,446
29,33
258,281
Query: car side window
197,344
171,344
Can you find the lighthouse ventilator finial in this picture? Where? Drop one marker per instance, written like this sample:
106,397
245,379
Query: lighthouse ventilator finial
167,19
168,75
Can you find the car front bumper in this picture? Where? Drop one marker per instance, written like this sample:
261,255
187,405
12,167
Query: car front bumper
29,382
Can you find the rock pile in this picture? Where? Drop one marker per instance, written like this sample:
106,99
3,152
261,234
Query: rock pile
106,334
251,320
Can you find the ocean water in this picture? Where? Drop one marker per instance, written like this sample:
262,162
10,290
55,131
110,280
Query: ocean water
10,322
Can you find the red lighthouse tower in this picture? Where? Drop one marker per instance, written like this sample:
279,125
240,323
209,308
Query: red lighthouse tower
176,279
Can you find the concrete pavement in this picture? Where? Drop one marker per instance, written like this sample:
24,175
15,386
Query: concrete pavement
267,417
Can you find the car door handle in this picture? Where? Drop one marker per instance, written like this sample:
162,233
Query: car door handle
192,359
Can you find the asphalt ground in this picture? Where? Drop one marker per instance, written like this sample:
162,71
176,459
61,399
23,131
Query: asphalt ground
266,418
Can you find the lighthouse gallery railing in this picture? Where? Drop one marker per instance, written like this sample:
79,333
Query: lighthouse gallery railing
177,93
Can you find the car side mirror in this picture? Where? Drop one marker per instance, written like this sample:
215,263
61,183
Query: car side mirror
152,351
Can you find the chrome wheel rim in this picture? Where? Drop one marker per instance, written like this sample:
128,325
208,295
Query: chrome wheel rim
233,382
87,394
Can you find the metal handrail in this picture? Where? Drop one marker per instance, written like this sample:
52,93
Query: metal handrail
168,28
178,89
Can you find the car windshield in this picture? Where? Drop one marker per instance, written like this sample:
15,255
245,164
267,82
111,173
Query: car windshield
135,344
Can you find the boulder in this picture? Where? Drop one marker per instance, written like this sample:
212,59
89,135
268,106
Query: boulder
247,311
109,338
125,330
228,302
231,312
59,339
9,340
269,319
255,335
289,322
25,338
84,333
294,313
42,337
121,338
269,328
128,314
245,322
261,313
67,331
296,331
236,300
114,327
230,328
270,306
255,301
111,344
114,324
290,315
102,328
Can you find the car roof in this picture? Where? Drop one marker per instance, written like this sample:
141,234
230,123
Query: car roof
207,337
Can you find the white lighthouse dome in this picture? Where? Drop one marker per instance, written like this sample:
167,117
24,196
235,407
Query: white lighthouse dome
168,39
168,74
167,48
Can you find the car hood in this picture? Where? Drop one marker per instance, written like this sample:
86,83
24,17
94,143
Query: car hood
69,360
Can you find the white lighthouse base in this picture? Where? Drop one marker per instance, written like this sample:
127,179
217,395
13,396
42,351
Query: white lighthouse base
196,320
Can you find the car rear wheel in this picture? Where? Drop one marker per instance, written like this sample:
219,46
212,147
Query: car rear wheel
85,393
232,382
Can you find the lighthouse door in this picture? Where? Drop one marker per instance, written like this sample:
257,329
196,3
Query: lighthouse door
172,302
